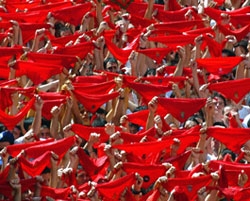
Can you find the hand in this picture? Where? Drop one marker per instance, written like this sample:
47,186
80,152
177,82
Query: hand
152,105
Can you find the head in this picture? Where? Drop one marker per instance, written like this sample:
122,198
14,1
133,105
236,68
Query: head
44,132
81,175
6,138
111,65
17,132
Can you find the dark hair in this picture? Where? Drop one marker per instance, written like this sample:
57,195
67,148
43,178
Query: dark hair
150,71
228,52
216,94
109,60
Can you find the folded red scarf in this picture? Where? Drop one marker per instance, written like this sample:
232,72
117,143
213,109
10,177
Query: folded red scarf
120,54
10,121
37,72
181,108
15,149
112,190
235,137
55,193
59,147
92,102
93,79
232,89
67,61
219,65
74,13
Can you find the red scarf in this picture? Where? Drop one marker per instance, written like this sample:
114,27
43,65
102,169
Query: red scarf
78,11
10,121
55,59
37,72
93,101
112,190
232,89
219,65
236,137
181,108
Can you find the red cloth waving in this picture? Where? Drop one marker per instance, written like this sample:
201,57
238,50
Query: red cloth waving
219,65
37,72
54,59
181,108
59,147
10,121
112,190
93,102
74,13
232,89
233,138
149,173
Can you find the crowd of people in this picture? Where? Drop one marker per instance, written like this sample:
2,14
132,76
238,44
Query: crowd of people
125,100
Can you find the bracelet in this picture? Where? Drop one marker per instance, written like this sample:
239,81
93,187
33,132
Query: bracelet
142,48
135,192
121,98
236,45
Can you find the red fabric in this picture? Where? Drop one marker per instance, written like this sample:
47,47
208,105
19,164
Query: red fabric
232,89
55,193
216,13
235,137
232,170
97,88
113,189
139,117
166,81
29,17
50,6
219,65
174,5
51,99
37,72
81,50
180,26
78,11
10,121
4,174
238,33
10,52
149,173
148,91
54,59
146,150
85,131
242,194
29,30
175,40
6,93
201,31
6,190
15,149
179,161
177,15
214,47
92,102
190,186
91,79
62,41
140,22
181,108
156,54
36,166
91,166
120,54
59,147
240,20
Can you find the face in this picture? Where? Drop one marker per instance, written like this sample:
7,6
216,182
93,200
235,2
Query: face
112,67
82,177
16,133
45,133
